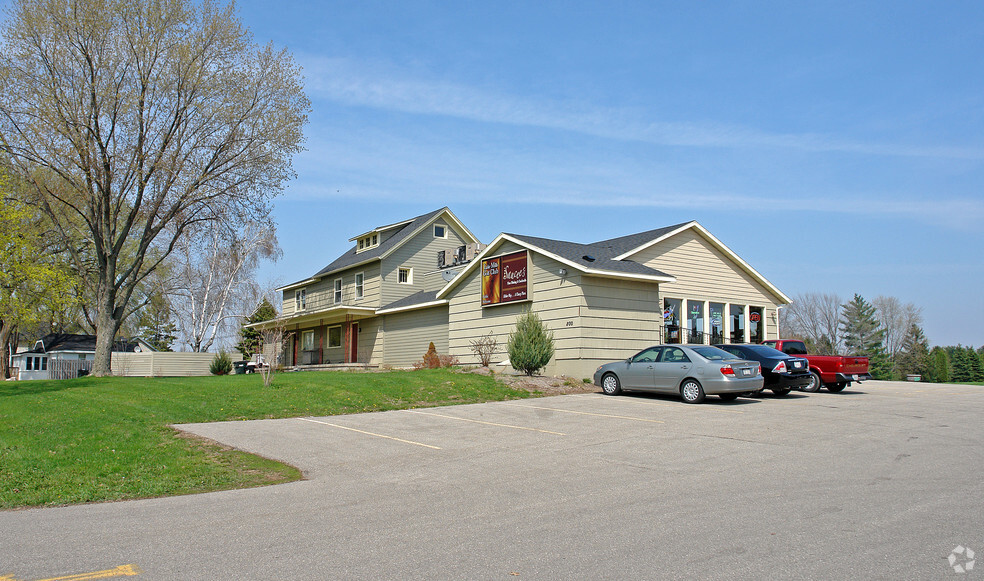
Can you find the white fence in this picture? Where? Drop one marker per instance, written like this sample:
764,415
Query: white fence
161,364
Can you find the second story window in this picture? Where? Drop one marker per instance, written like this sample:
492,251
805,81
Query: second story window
300,299
359,285
405,275
338,291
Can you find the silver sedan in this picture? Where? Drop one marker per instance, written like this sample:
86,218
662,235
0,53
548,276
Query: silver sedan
693,371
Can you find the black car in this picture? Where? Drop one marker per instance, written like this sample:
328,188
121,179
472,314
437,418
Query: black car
782,372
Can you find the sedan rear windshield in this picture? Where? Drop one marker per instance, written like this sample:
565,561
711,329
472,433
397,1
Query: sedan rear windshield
713,353
765,351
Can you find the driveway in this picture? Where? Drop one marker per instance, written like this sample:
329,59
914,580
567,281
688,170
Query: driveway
881,481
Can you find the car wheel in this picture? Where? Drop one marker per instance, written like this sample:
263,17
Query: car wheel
691,391
781,391
610,384
836,387
814,384
728,396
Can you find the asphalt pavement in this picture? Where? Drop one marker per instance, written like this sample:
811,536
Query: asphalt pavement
882,481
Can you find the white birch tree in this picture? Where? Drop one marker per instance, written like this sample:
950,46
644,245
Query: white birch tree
214,285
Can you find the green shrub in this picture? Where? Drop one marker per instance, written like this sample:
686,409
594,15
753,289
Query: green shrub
531,346
221,364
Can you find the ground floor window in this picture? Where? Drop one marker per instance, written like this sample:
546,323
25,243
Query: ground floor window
671,320
695,318
307,341
36,363
756,324
737,323
334,337
716,315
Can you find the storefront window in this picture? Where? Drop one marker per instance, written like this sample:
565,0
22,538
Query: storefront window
695,318
737,323
671,320
756,324
717,322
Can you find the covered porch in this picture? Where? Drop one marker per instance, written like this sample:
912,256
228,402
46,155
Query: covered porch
338,337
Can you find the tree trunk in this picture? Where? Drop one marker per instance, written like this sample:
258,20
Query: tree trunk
109,317
5,334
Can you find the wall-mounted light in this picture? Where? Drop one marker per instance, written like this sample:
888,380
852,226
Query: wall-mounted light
562,272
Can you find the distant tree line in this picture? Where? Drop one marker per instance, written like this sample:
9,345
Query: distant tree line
885,330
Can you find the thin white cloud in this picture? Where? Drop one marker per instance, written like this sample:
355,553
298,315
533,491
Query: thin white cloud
376,85
382,167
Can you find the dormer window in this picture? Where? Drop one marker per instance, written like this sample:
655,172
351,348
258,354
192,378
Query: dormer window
368,241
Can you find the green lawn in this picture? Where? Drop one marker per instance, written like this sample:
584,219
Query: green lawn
89,439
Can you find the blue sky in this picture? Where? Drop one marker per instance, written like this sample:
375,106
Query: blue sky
836,147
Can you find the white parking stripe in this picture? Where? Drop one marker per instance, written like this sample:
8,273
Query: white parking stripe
369,433
486,423
536,407
678,405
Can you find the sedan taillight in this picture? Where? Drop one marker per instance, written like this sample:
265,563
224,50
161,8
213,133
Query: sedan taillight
781,368
727,370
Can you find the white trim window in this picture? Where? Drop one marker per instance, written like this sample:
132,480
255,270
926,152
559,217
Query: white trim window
367,242
300,299
404,275
360,285
334,337
440,231
307,341
338,291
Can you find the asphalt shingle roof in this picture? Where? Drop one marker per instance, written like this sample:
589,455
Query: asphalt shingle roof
602,252
352,257
70,342
417,298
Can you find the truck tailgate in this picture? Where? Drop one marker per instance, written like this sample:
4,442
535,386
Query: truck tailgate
853,365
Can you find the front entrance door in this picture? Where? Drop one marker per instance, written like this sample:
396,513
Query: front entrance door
353,354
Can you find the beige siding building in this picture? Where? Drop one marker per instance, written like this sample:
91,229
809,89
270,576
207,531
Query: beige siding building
429,279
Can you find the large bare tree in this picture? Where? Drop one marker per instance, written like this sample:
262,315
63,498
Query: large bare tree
897,319
135,120
814,317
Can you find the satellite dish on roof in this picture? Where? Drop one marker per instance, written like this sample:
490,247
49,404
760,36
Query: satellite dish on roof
448,275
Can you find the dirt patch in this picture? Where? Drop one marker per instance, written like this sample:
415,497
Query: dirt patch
542,384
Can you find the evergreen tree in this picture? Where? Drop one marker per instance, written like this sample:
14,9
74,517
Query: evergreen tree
914,356
974,363
959,364
863,335
155,324
250,338
939,365
530,346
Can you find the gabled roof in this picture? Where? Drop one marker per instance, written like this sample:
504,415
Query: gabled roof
55,342
612,257
632,245
591,259
405,230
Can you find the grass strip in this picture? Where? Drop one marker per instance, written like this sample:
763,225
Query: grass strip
101,439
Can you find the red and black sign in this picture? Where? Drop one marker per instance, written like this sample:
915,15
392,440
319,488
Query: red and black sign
504,278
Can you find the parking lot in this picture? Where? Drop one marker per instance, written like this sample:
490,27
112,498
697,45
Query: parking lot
880,481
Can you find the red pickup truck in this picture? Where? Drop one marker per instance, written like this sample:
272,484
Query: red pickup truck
835,372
